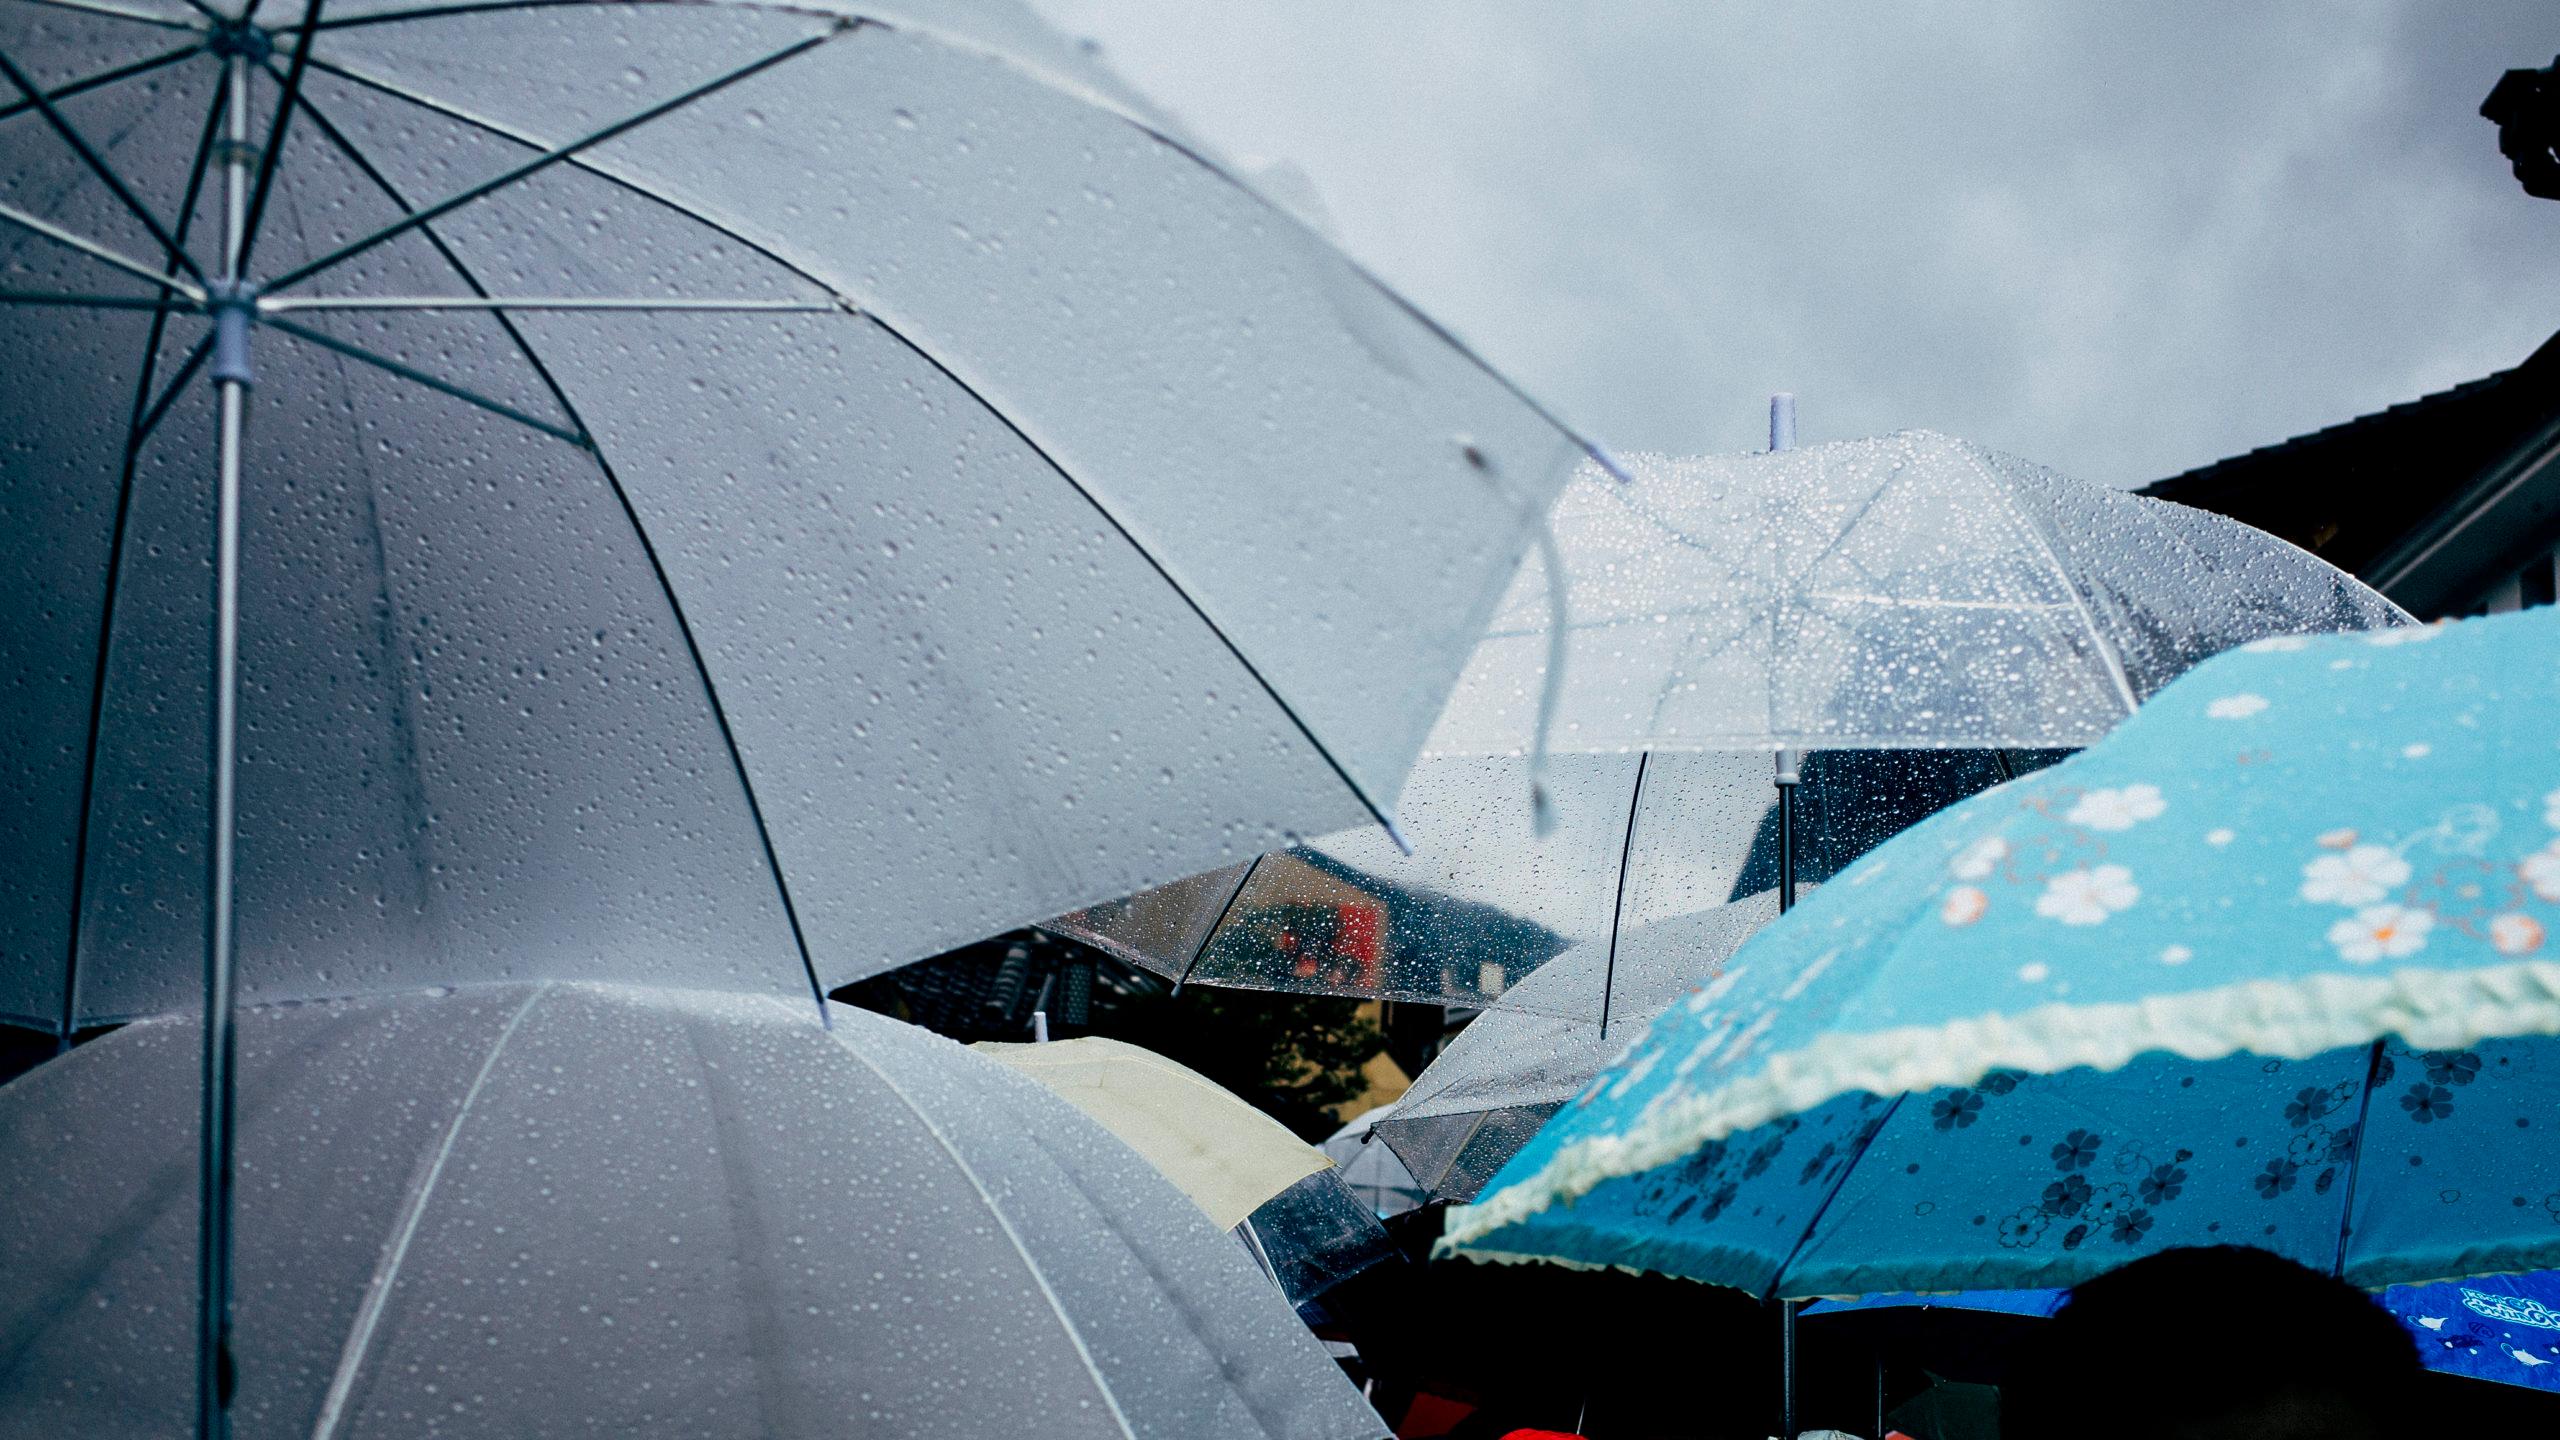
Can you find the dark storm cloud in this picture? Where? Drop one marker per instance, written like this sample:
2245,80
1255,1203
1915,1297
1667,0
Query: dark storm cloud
2120,239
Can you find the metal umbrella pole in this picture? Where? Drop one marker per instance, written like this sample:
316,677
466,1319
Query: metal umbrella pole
1790,770
232,314
1782,436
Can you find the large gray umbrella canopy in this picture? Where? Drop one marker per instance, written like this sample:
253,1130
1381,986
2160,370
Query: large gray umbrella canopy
546,1209
934,496
1905,590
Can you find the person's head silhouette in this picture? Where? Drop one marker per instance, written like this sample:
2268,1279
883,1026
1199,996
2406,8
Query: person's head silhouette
2216,1343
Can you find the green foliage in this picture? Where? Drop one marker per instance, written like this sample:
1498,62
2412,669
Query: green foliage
1294,1057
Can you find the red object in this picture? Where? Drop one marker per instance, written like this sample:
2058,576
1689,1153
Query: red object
1432,1416
1544,1435
1356,931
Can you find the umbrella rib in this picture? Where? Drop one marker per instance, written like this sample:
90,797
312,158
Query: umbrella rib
404,1230
96,251
104,78
2347,1202
671,304
1198,610
117,12
2080,603
1778,1276
657,567
1618,907
142,418
177,383
89,156
1004,1223
547,159
1210,935
292,88
1376,811
88,302
421,377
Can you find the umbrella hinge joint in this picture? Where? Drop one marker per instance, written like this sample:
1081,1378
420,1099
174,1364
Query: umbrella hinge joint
242,38
234,307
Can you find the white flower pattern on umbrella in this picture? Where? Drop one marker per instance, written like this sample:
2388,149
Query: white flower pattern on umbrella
2515,933
1964,905
2379,932
2088,895
2551,809
2541,870
2118,809
2236,707
2361,876
1977,860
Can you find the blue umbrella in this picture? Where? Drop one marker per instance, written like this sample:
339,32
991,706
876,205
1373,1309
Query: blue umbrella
2503,1328
2155,995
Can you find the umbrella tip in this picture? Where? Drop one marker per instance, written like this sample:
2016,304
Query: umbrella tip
1601,457
1387,823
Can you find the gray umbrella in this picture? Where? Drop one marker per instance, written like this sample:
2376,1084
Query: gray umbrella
736,495
558,1208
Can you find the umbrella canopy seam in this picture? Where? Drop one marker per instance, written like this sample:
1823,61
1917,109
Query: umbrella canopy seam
413,1209
1012,1236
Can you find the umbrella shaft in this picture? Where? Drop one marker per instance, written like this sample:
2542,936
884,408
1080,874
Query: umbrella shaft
213,1246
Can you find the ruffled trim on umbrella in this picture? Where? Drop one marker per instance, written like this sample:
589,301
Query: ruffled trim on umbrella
2291,1019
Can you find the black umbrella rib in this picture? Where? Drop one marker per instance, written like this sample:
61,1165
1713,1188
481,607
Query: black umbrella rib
1376,812
177,384
415,375
1848,1167
545,160
1198,610
285,107
90,302
1210,935
2355,1170
1618,907
684,626
89,156
103,79
143,418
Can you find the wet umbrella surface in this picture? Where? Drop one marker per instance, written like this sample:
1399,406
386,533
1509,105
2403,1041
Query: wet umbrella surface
540,1209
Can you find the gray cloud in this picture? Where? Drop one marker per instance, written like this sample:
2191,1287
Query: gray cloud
2118,239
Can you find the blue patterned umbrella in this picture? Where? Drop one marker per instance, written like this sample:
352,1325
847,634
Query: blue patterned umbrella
2262,967
2504,1328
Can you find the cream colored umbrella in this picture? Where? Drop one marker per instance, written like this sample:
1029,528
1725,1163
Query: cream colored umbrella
1227,1156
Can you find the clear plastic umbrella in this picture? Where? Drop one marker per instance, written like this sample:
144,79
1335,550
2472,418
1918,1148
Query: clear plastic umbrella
1486,899
1372,1170
737,495
1908,590
1516,1064
561,1208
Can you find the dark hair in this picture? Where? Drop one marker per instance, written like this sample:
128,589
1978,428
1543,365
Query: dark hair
2208,1342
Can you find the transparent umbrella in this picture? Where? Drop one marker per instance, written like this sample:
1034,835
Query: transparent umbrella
538,1209
1907,590
1911,591
737,495
1486,899
1518,1063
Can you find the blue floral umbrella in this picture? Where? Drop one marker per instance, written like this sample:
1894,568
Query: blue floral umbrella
2503,1328
2172,991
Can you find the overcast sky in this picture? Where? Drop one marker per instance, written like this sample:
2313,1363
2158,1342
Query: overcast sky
2121,239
